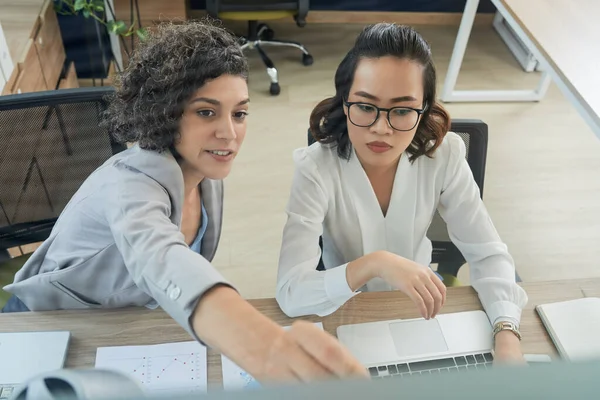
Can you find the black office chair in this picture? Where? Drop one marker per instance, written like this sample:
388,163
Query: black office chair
50,142
261,35
445,254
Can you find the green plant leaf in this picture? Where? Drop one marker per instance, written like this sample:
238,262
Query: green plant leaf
86,13
79,5
98,3
121,27
112,26
142,33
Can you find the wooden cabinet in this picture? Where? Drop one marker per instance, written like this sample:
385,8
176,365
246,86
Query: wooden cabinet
70,80
30,77
35,43
10,84
49,46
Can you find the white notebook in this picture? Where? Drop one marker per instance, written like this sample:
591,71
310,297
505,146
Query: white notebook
573,326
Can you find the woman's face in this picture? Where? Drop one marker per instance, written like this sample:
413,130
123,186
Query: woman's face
213,127
386,82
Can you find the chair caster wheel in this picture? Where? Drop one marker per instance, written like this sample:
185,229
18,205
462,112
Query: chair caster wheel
300,22
265,32
275,89
307,59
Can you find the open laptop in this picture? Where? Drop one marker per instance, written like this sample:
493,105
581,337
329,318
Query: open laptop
399,348
24,355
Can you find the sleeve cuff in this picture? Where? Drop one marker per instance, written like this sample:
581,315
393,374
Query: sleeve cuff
178,291
504,311
336,285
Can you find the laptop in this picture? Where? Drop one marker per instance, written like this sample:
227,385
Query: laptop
24,355
448,343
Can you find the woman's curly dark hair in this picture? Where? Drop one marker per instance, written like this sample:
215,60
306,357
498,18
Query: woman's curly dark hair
165,71
328,122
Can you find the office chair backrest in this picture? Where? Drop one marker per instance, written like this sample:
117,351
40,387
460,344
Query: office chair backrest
475,135
50,142
214,7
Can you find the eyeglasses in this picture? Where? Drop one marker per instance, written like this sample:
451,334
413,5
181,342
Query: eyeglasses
399,118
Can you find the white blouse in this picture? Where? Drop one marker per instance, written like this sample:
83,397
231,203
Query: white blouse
333,198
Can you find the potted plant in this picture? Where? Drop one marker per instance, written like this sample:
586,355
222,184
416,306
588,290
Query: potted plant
88,25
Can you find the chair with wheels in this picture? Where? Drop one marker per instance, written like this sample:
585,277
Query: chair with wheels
259,34
50,142
445,254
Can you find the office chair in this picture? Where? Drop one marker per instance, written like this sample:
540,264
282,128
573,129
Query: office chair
50,142
260,35
445,254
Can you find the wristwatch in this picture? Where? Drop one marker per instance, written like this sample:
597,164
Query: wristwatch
506,326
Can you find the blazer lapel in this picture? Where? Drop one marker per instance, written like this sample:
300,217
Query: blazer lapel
212,197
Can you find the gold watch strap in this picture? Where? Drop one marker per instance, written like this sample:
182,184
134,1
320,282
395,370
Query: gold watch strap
507,326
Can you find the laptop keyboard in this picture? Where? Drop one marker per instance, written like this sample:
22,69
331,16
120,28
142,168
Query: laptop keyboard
6,391
440,366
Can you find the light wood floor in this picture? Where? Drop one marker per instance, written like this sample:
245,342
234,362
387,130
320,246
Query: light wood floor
543,168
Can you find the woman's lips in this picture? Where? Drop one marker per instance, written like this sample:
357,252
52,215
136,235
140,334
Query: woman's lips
378,147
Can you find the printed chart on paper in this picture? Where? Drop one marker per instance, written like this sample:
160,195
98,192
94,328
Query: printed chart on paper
173,367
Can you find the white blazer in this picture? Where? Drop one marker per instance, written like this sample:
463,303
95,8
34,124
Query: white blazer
333,197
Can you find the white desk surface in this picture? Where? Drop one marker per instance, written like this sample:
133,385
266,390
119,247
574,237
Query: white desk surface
567,33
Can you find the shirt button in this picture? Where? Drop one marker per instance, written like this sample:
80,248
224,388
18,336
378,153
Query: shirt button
174,293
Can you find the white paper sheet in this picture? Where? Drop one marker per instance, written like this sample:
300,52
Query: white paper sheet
235,378
175,368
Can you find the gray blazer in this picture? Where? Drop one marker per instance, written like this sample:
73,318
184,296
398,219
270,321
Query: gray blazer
118,242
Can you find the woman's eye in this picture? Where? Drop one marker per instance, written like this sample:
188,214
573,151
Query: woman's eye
206,113
240,115
402,112
366,108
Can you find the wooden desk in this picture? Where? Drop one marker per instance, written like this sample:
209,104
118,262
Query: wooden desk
93,329
563,35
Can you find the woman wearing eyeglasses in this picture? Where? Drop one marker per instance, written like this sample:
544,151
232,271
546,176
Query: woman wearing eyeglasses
383,164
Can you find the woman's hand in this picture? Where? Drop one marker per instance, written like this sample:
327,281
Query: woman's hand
229,324
420,283
306,353
507,349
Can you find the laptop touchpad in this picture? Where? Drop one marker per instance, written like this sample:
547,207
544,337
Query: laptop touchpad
418,338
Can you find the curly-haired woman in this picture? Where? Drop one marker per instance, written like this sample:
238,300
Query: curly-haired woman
143,228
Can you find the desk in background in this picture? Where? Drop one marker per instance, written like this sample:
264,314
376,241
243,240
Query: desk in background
563,35
97,328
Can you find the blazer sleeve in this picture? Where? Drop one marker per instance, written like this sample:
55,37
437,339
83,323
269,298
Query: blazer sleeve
492,269
154,249
301,289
